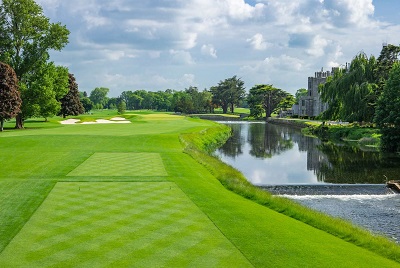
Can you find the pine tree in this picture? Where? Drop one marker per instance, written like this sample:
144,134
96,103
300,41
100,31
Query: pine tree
70,103
10,101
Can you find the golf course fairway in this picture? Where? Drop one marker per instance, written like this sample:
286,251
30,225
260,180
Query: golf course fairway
127,195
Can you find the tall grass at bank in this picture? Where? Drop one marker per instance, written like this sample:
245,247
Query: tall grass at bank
199,145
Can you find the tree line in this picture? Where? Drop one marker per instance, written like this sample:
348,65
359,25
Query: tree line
229,93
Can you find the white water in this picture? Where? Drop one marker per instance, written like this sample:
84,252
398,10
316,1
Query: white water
378,213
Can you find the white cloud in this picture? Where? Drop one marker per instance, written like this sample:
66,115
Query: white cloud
258,42
261,40
181,57
318,46
209,50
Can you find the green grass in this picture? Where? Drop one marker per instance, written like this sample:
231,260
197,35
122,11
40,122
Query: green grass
89,220
120,224
121,164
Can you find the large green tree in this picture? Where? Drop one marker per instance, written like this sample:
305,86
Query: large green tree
350,92
265,98
388,112
228,93
10,101
388,56
26,37
43,90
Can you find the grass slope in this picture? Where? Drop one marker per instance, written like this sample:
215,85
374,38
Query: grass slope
85,210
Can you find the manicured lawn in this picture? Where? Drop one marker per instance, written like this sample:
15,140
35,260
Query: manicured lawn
114,224
127,195
121,164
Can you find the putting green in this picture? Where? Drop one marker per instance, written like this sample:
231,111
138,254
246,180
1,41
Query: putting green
121,164
114,224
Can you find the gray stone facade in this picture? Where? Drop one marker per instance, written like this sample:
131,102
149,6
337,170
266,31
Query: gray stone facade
311,105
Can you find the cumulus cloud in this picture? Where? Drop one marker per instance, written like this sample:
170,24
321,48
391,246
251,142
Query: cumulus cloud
170,43
258,42
318,46
356,12
209,50
181,57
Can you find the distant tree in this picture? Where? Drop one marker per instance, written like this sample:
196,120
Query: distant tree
182,102
26,36
121,106
266,96
87,104
228,93
112,103
10,101
300,93
388,112
287,102
70,103
99,96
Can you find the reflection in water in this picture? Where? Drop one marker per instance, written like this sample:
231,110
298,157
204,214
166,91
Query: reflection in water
316,174
271,154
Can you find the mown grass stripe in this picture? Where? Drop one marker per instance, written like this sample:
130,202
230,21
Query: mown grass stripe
98,224
121,164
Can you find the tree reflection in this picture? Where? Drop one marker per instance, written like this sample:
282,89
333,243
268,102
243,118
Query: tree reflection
331,163
350,164
267,140
233,147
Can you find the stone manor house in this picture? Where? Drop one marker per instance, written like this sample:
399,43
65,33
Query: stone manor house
311,105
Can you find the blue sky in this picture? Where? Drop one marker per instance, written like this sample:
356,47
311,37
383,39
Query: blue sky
173,44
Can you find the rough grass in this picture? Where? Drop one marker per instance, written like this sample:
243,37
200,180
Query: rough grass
46,154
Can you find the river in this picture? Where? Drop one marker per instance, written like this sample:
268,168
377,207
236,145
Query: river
338,179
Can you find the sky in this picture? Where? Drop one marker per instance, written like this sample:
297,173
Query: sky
173,44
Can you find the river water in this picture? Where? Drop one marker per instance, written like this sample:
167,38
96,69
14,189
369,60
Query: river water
338,179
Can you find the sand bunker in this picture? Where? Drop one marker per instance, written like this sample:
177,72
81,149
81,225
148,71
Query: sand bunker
115,120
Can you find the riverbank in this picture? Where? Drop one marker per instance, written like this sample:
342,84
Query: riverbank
362,135
81,171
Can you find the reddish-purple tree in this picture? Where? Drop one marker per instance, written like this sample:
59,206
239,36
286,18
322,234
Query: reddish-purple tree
70,103
10,101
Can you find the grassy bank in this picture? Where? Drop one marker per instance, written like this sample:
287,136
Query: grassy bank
127,195
236,182
365,135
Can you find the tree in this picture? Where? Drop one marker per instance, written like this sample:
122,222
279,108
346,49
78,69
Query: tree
182,102
388,112
10,101
300,93
26,36
87,104
42,91
266,96
388,56
121,106
350,93
70,103
99,96
228,93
